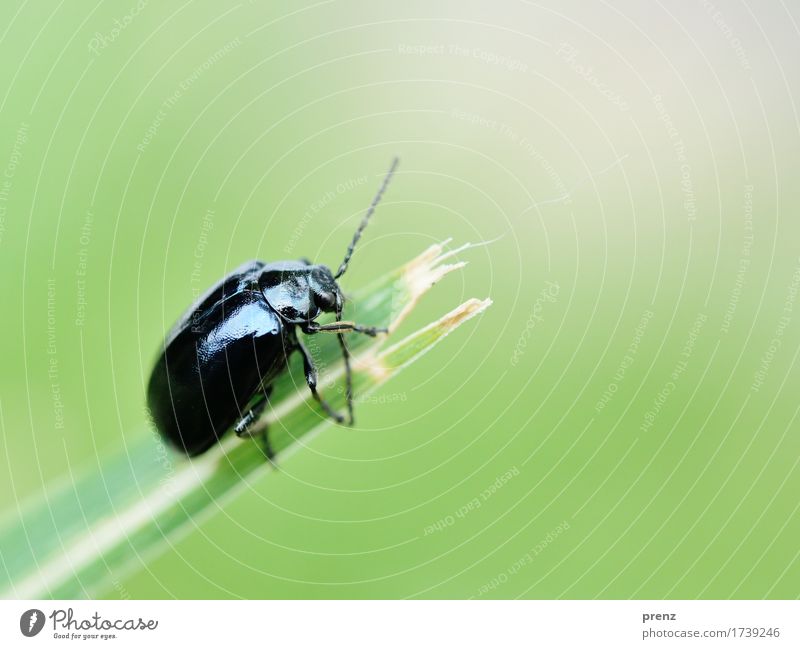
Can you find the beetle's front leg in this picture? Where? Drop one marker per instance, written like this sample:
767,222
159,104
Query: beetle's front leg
311,381
344,326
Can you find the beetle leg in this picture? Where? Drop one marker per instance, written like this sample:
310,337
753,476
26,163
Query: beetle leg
344,326
340,327
348,372
311,381
242,428
267,446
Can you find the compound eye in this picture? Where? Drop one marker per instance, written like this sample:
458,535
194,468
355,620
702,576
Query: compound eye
326,300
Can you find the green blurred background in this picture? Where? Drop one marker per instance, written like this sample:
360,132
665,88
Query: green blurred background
632,393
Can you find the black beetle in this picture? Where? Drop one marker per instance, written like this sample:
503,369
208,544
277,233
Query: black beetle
219,361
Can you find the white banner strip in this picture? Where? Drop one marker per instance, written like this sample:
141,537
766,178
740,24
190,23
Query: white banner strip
331,624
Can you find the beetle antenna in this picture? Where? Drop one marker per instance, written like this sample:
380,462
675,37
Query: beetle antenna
366,218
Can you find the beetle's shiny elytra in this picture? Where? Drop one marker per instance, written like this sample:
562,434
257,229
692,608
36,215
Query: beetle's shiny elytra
219,361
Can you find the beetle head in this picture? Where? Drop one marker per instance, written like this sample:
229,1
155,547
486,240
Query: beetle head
325,292
299,291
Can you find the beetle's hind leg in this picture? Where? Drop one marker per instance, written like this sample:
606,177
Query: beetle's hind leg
268,452
245,426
